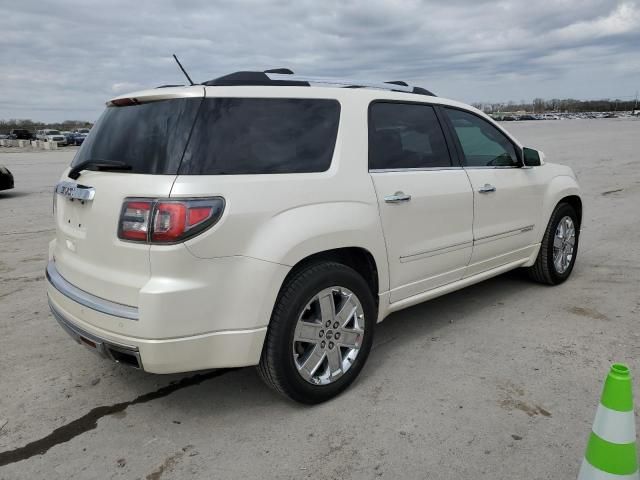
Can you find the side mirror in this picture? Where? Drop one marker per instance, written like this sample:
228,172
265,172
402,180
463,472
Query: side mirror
531,157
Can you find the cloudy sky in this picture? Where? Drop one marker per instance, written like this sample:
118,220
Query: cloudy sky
62,59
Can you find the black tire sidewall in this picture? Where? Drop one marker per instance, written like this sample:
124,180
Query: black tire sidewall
296,299
563,210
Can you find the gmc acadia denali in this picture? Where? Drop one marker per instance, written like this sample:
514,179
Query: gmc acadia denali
269,219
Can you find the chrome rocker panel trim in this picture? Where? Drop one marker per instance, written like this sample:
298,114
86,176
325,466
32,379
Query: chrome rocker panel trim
88,300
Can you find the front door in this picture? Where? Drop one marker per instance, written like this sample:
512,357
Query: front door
425,203
506,196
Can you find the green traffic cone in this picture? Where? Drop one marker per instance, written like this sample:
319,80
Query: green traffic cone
611,451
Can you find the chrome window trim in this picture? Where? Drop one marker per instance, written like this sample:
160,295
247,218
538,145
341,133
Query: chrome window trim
418,169
88,300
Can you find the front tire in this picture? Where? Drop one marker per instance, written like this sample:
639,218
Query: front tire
320,334
559,247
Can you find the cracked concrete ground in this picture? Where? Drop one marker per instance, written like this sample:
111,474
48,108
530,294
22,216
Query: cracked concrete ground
498,381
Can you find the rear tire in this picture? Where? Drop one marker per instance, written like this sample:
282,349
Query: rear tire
554,265
287,358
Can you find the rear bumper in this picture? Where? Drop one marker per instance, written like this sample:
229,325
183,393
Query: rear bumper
238,348
215,318
127,354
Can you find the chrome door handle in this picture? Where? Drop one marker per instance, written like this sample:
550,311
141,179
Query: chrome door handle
397,197
487,188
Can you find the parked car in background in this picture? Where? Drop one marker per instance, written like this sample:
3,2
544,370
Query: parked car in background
362,201
69,137
20,134
6,178
80,135
4,136
54,136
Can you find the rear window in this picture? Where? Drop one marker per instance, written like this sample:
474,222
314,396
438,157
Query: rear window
150,137
262,135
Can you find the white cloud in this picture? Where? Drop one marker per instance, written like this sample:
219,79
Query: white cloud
624,19
63,59
121,87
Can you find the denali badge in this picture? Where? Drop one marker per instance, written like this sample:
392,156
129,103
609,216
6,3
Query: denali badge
74,190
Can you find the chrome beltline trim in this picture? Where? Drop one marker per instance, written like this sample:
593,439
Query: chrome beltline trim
88,300
508,233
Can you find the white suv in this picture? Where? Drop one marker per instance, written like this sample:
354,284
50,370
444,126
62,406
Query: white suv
53,136
269,219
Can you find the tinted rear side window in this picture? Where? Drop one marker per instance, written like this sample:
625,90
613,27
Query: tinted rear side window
262,135
404,135
150,137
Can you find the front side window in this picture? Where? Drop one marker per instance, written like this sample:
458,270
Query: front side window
483,144
234,136
404,135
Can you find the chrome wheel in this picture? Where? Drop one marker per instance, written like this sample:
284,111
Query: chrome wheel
563,244
328,335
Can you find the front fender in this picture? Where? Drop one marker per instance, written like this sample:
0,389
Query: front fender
560,187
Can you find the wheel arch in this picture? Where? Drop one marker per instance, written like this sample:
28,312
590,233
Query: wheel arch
563,188
358,258
576,202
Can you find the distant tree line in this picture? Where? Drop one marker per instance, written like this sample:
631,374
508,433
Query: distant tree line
70,125
538,105
541,105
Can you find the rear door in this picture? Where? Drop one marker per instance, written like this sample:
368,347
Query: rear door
425,201
150,137
506,196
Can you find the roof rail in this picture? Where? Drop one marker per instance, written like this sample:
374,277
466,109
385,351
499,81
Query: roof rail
287,71
282,77
254,78
398,82
396,86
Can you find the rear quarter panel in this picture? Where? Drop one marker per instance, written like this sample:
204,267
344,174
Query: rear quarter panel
283,218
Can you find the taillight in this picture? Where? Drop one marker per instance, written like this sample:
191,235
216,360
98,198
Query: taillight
166,220
169,221
134,220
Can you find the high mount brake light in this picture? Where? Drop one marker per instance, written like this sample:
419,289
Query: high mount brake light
166,220
124,102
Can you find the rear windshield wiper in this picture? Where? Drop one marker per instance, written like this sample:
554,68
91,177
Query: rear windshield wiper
98,165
